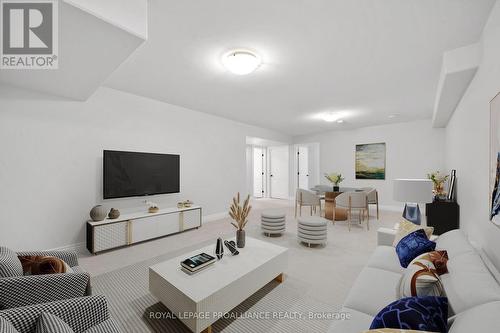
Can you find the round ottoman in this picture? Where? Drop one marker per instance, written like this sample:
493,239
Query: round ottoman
273,222
312,230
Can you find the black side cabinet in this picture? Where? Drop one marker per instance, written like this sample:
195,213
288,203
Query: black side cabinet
443,216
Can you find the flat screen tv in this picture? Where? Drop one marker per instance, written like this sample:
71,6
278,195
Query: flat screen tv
130,174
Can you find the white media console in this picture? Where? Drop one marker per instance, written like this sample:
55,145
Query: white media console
138,227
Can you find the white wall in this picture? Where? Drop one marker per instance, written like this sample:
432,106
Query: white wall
412,150
51,159
467,143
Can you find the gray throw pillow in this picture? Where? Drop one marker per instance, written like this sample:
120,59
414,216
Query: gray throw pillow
10,265
6,326
49,323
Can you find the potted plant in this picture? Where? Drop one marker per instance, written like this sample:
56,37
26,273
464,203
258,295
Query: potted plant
438,182
239,214
335,179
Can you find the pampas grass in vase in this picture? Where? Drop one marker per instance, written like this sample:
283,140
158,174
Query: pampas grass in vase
239,214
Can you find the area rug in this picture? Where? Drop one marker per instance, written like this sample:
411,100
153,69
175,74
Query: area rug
277,307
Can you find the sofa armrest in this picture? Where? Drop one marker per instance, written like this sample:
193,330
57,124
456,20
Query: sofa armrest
70,257
34,289
385,236
79,313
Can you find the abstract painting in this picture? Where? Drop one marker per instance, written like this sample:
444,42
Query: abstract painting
495,160
370,161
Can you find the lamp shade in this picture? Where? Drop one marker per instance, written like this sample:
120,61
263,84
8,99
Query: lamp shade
413,190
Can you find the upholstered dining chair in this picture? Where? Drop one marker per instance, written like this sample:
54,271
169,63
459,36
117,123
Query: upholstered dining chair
356,204
372,195
306,198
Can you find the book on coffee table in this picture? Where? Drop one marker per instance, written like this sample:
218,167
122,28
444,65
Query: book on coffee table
197,262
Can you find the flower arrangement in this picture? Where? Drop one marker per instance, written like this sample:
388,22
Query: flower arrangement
334,178
240,213
438,181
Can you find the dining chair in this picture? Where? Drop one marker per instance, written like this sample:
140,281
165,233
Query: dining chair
306,198
372,195
356,203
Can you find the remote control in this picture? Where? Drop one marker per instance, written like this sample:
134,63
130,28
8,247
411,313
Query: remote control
231,247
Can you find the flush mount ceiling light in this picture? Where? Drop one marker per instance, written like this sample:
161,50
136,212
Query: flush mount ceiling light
241,62
330,116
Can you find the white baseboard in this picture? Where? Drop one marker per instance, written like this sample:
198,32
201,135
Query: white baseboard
78,247
214,217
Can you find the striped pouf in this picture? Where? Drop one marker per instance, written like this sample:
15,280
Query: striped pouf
273,222
312,230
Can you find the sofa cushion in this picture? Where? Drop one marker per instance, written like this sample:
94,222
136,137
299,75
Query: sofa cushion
385,257
10,265
454,242
357,322
372,290
49,323
6,326
469,283
417,313
420,280
436,260
481,318
413,245
406,227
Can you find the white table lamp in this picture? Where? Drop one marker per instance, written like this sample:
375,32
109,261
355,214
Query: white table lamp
412,192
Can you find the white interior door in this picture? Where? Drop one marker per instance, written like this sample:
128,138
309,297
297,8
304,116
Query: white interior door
259,173
303,167
279,167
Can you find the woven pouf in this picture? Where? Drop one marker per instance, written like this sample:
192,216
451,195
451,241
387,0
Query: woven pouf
312,230
273,222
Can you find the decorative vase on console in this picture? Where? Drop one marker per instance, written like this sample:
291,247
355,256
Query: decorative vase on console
98,213
240,214
335,179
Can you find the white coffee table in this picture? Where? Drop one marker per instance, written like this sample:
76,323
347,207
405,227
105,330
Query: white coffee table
201,299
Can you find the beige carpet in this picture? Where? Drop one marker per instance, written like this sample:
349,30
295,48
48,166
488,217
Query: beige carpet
318,278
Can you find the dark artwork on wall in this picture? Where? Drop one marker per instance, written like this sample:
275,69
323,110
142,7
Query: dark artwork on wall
370,161
495,160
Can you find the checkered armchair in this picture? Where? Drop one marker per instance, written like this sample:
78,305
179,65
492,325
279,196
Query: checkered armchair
83,315
18,290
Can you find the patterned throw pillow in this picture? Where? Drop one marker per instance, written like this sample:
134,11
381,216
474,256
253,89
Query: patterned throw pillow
420,280
9,263
436,260
413,245
392,330
49,323
406,227
35,265
6,326
414,313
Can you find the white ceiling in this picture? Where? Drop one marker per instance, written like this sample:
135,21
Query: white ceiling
86,56
373,58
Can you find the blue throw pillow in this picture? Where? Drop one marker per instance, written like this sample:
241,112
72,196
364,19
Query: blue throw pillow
427,313
413,245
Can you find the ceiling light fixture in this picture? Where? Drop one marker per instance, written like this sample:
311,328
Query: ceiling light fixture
340,121
329,117
241,62
392,116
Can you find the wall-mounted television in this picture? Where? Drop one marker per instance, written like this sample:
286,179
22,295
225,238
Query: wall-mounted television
130,174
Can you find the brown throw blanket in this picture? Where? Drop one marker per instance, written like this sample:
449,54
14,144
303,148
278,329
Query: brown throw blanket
35,265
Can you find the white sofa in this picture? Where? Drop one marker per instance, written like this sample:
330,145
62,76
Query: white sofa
472,290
